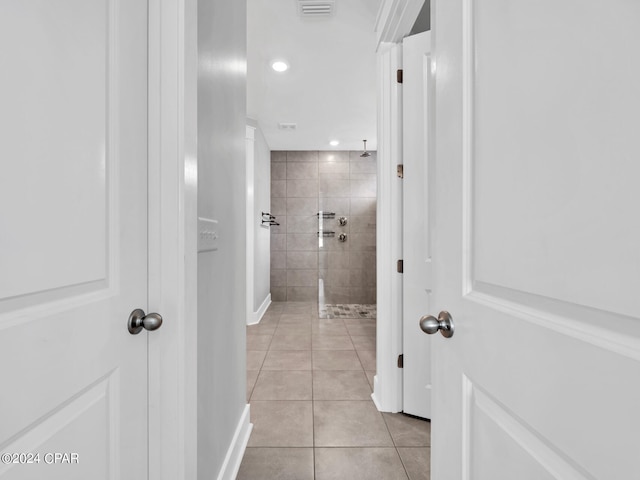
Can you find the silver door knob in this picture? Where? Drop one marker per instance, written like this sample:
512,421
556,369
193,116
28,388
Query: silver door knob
139,320
430,324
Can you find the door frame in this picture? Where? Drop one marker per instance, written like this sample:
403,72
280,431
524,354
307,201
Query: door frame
172,238
394,22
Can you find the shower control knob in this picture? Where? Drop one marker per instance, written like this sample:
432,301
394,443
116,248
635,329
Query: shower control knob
342,237
343,221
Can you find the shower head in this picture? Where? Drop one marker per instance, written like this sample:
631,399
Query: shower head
365,153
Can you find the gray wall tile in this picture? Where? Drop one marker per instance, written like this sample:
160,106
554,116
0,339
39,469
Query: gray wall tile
302,260
302,278
331,181
363,188
302,170
302,224
278,242
302,294
363,206
278,156
278,188
278,294
302,188
330,187
302,156
278,277
278,260
333,156
302,206
278,171
302,241
362,224
278,206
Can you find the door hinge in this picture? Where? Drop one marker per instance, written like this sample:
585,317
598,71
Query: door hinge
401,360
400,170
399,75
400,266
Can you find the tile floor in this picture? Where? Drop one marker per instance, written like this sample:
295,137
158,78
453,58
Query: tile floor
309,383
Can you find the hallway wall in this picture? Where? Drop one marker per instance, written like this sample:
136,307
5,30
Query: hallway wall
221,197
303,183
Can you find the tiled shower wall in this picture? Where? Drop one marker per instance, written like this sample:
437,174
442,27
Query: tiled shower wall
302,184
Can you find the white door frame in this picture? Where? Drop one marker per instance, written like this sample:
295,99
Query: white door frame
394,22
173,238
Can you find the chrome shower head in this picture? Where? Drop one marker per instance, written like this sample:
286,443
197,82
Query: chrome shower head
365,153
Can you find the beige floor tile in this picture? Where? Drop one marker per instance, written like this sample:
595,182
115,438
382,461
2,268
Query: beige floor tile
408,431
335,360
364,342
291,342
417,462
270,320
287,360
331,342
340,385
277,464
255,359
252,376
329,326
361,329
293,328
262,329
295,319
368,359
370,375
349,424
258,342
281,424
283,385
358,464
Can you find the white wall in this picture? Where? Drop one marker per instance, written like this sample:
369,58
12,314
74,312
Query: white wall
221,197
262,238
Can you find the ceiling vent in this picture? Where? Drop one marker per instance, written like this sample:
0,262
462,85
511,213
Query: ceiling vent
287,126
316,8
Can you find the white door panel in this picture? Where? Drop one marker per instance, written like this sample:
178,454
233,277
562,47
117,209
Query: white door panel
535,240
73,239
416,206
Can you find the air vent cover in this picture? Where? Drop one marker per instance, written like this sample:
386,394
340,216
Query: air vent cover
316,8
287,126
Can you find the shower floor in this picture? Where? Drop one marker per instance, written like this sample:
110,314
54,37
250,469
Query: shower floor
344,310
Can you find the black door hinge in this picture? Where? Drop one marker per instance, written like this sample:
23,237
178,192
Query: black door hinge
400,170
400,266
401,360
399,75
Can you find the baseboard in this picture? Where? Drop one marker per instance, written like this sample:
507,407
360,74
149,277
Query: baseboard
232,461
255,317
373,395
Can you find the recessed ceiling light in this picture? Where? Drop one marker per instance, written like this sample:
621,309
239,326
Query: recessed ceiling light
334,143
280,66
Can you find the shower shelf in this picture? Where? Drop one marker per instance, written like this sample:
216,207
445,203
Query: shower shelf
326,214
326,234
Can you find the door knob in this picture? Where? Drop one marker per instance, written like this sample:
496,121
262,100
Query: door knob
139,320
430,324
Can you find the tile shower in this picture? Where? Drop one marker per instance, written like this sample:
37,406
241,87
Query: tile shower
309,267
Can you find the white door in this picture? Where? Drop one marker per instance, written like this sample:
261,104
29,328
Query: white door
416,251
536,240
73,239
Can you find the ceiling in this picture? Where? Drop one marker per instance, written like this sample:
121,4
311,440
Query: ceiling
329,91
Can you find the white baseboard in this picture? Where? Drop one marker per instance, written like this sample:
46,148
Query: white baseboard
233,459
373,395
255,317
